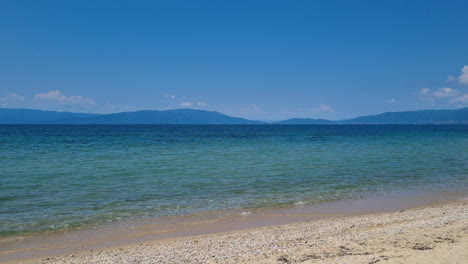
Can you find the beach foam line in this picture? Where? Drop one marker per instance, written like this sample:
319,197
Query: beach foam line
430,234
135,232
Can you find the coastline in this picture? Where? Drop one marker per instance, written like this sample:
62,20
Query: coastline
274,227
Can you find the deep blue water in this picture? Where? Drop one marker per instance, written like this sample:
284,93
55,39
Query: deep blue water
58,177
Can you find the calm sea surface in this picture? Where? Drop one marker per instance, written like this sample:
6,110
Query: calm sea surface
59,177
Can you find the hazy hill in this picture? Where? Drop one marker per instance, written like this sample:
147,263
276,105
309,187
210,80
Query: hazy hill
177,116
29,116
304,121
456,116
191,116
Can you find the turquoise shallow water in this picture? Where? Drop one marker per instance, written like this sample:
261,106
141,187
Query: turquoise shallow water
59,177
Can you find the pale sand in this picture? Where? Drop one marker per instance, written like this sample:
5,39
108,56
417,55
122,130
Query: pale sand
434,234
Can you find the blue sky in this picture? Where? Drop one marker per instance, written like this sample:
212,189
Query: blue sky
265,60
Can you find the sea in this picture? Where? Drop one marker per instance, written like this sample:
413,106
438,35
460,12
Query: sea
62,177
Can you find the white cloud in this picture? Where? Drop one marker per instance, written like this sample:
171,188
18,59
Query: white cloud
391,100
447,95
10,98
184,101
324,108
425,91
464,76
186,104
57,96
170,96
462,100
251,110
443,95
445,92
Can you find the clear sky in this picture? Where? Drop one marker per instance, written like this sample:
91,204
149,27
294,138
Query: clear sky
264,60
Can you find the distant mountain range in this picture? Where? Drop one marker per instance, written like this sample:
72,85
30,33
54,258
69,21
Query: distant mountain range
456,116
191,116
29,116
176,116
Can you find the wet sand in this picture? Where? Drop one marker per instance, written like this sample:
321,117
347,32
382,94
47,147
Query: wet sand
354,231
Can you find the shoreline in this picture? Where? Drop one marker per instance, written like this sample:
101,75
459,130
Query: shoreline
129,234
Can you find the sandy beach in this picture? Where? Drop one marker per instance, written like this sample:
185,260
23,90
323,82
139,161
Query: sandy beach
430,234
